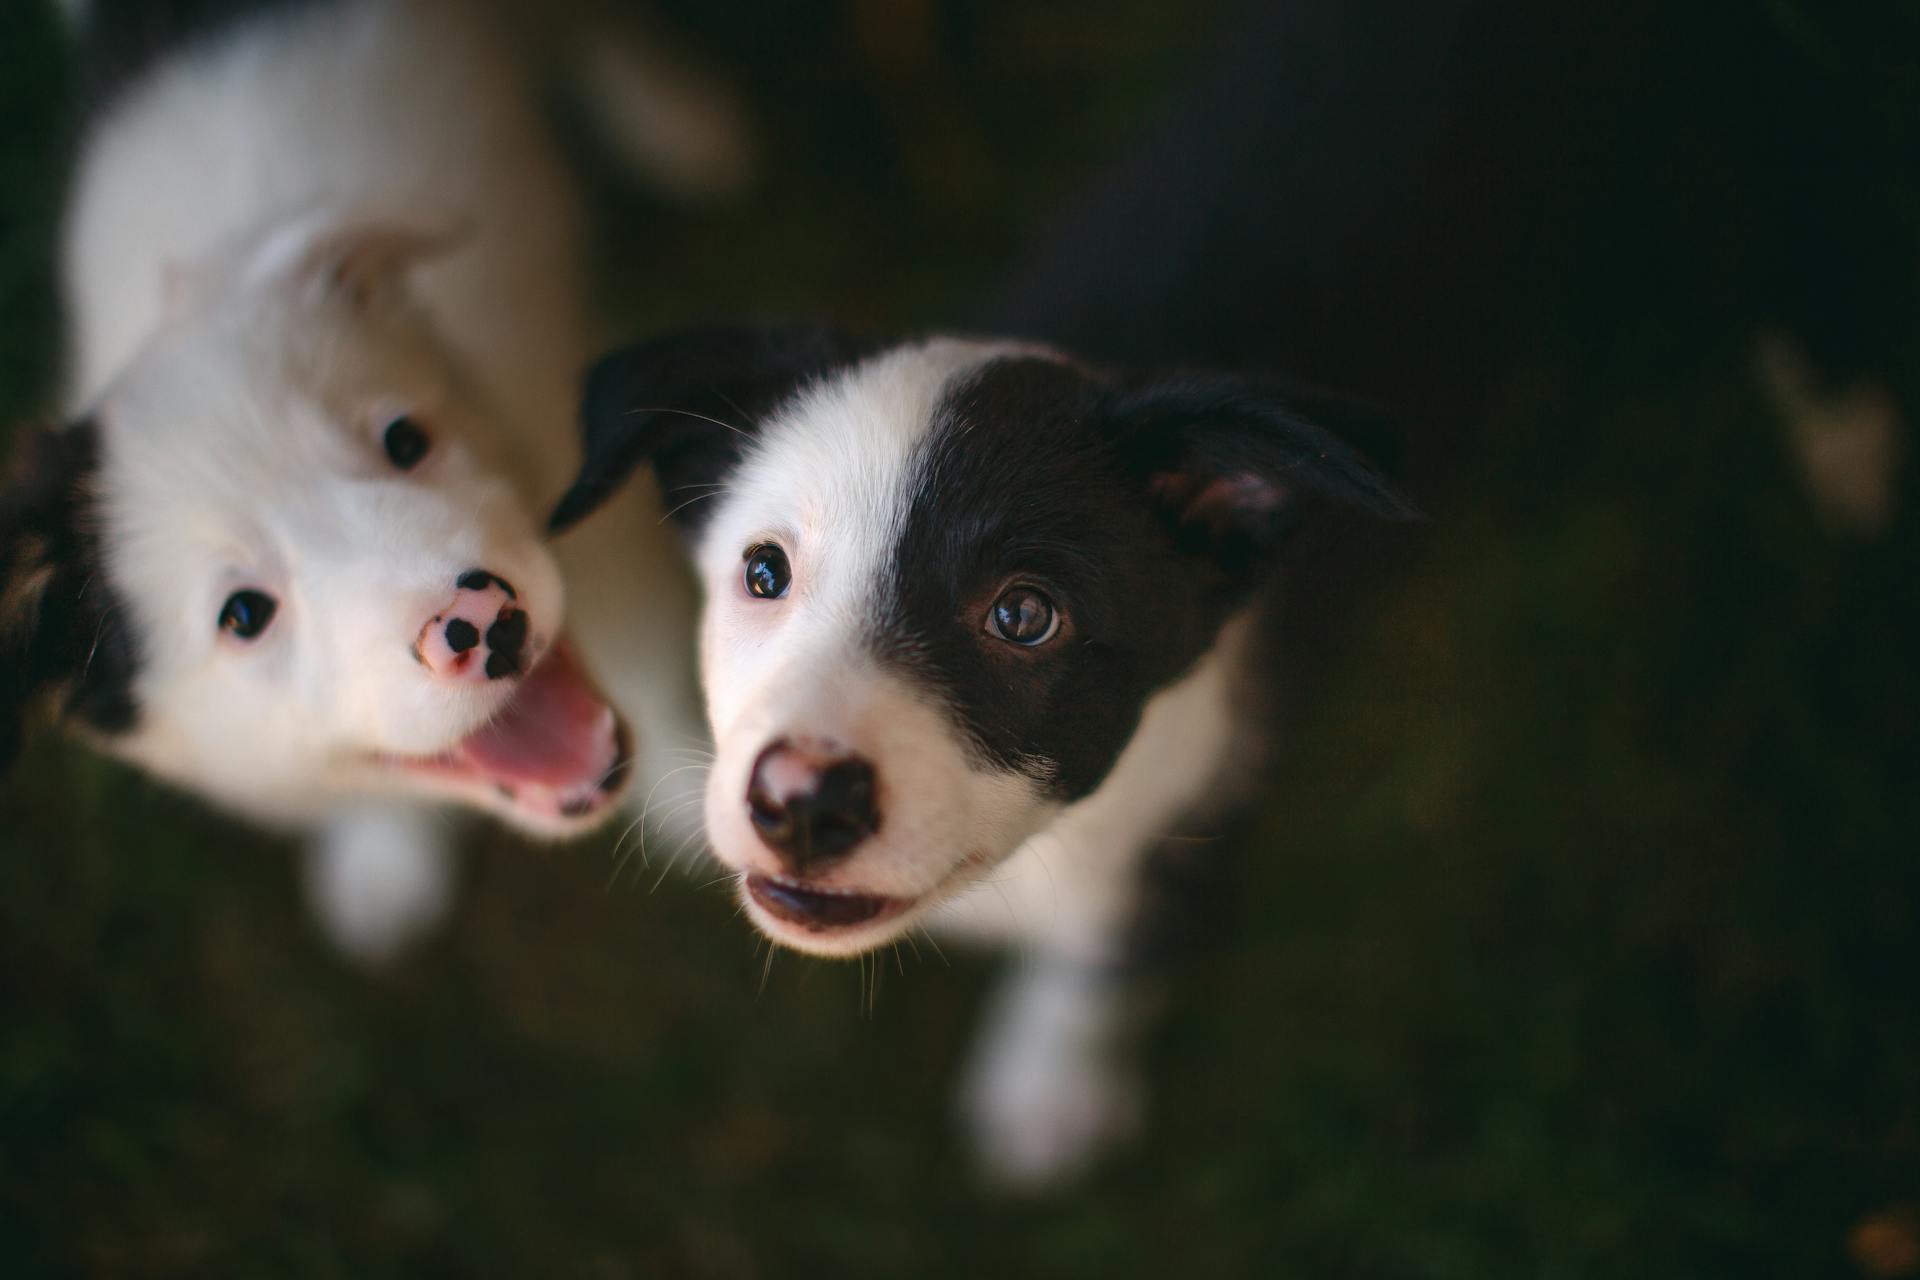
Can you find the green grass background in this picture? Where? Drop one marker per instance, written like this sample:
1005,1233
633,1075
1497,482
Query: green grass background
1578,937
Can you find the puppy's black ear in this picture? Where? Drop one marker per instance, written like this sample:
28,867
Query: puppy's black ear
1233,465
58,628
688,403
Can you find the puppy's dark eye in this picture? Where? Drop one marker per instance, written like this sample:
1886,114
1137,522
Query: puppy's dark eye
406,443
767,572
1024,617
247,613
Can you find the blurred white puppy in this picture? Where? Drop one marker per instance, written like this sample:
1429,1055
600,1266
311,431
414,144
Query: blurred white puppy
323,276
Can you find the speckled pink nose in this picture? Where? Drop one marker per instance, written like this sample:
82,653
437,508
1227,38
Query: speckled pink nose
481,635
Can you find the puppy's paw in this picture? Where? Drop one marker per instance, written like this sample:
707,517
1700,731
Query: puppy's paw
379,880
1049,1090
1037,1129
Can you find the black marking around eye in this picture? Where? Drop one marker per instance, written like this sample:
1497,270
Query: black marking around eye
1015,479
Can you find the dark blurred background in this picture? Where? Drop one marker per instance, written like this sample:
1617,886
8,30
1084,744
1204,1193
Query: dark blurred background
1578,933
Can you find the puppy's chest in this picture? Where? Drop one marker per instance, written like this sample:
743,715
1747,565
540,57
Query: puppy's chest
1074,887
1054,890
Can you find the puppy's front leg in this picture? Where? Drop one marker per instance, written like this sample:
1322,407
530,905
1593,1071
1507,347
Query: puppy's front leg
1053,1083
379,877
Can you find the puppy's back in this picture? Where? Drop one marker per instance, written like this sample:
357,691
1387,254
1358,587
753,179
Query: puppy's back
211,129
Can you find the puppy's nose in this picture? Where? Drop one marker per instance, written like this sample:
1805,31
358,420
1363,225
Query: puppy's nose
482,635
810,805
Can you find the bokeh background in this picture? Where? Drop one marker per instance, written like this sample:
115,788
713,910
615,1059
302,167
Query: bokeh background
1577,934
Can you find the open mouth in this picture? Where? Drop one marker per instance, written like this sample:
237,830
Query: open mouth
557,751
819,910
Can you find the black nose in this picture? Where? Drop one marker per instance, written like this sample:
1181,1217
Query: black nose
810,806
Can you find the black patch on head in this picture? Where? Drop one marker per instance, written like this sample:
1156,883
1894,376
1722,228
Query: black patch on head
63,632
687,403
1149,513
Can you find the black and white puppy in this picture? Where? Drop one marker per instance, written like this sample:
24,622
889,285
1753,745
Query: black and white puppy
979,633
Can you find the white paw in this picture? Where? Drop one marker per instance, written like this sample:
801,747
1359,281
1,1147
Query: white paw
1049,1091
379,880
1044,1129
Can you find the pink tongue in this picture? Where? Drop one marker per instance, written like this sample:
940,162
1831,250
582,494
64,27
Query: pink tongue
555,732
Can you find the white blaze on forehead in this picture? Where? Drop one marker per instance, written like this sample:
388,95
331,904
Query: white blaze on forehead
825,479
828,479
831,470
831,474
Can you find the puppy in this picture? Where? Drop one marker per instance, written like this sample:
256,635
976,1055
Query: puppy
981,632
323,273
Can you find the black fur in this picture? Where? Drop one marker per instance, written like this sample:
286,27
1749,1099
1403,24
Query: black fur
62,632
686,403
1039,473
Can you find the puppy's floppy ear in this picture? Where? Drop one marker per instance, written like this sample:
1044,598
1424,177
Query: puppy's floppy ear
688,403
57,626
362,258
1232,464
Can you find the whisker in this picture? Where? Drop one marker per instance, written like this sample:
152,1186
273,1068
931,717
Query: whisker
672,811
700,497
661,781
766,969
675,860
688,413
936,947
735,406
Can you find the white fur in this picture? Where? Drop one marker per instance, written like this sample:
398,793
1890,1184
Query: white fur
378,877
1048,1087
983,853
243,324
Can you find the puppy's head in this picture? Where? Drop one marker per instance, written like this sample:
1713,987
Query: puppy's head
282,561
943,581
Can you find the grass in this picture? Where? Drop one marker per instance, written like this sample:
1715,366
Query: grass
1578,938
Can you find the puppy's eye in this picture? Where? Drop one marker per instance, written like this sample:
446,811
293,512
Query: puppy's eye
247,613
767,573
1024,617
405,443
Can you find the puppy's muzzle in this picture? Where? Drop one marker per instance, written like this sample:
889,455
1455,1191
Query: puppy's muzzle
809,804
